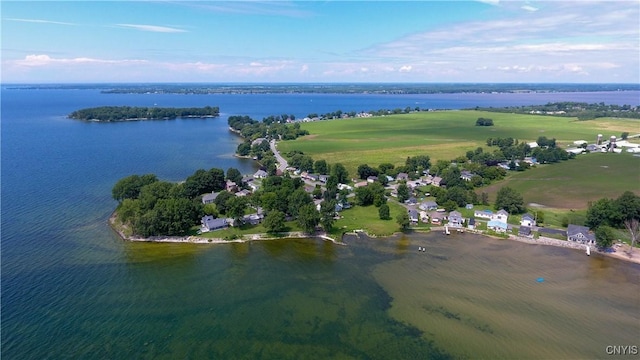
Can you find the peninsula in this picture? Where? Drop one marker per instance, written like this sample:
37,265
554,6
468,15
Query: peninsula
129,113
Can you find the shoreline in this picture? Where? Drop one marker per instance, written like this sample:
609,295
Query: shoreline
620,254
202,240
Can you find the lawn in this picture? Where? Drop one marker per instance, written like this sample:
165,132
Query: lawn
366,218
440,134
574,183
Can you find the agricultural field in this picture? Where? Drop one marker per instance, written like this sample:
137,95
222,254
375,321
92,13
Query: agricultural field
574,183
440,135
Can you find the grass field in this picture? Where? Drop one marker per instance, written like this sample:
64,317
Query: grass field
574,183
441,135
367,218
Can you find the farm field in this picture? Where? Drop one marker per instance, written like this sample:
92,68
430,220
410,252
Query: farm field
440,135
574,183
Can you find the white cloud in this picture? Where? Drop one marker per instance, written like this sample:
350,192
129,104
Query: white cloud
304,68
529,8
152,28
46,60
405,68
39,21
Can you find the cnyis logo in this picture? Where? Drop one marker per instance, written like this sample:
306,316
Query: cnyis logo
622,350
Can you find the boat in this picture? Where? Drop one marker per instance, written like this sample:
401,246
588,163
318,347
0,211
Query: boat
588,251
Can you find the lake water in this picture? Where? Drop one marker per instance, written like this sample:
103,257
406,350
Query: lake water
72,289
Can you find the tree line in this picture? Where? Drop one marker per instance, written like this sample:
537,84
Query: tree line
150,207
123,113
580,110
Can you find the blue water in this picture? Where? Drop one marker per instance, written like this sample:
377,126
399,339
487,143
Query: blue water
71,288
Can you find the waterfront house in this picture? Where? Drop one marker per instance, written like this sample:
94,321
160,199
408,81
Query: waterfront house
528,220
497,226
413,216
436,217
455,219
501,216
472,224
209,223
483,214
424,217
525,231
209,198
581,234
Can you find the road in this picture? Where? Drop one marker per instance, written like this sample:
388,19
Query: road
282,162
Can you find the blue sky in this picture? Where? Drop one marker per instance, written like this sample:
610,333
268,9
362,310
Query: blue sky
321,41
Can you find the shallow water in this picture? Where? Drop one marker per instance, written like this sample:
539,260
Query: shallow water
479,297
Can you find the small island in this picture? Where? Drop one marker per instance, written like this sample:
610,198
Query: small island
132,113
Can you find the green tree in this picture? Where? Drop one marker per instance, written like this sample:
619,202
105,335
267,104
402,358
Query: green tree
602,212
383,212
339,171
297,200
403,193
129,187
151,193
308,218
321,167
510,200
236,206
604,236
403,220
221,201
274,222
327,212
234,175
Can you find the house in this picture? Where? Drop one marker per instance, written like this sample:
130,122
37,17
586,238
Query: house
581,234
501,216
497,226
402,177
466,175
310,177
372,179
525,231
428,205
468,206
411,201
424,217
344,186
455,219
209,198
436,217
436,181
483,214
260,174
253,219
243,193
527,220
209,223
389,178
413,216
323,178
361,184
472,223
231,186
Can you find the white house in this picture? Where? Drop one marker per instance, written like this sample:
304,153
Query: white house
527,220
209,223
483,214
455,219
497,226
501,216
